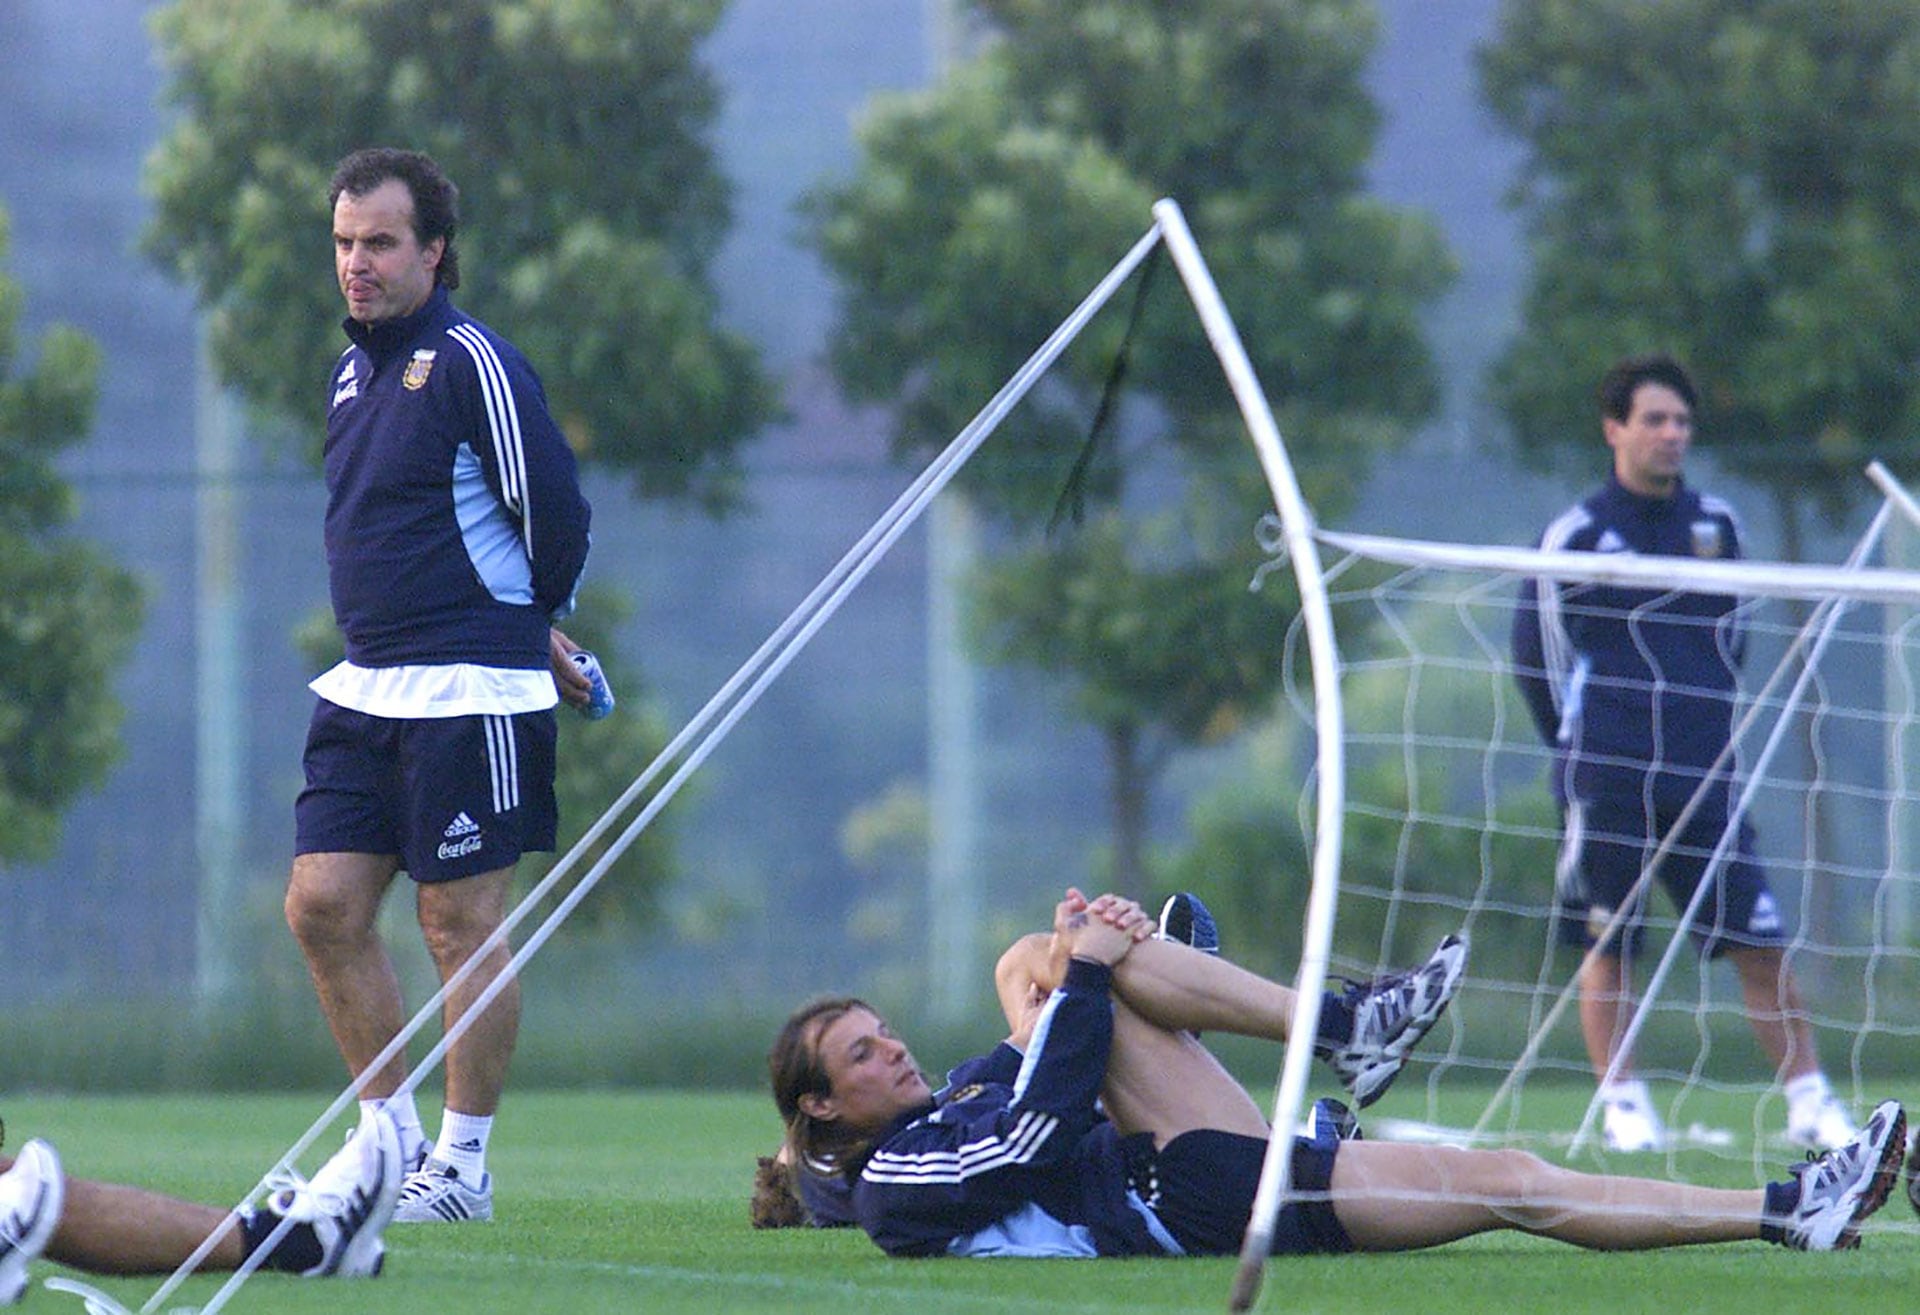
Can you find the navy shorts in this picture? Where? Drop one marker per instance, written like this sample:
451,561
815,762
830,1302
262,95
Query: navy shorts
1606,844
1205,1185
452,796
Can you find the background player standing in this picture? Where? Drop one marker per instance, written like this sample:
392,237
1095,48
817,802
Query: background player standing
1634,689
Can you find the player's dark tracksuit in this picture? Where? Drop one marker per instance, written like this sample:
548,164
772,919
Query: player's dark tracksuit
455,528
1013,1158
455,533
1634,689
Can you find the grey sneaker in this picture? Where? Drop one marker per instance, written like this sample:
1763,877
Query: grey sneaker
1186,919
350,1202
435,1194
1841,1188
31,1194
1391,1015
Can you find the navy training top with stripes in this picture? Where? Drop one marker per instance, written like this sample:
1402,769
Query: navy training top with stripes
1014,1159
455,527
1633,687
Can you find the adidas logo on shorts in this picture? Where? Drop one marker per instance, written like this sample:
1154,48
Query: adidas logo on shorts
462,838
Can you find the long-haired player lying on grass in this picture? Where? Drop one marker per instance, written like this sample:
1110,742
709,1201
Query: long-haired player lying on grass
1103,1127
105,1228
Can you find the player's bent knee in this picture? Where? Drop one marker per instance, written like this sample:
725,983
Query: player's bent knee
1024,961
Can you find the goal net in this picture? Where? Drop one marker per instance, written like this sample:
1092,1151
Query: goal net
1448,822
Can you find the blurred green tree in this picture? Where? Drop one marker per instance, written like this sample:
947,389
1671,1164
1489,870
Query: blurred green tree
591,208
591,203
1730,182
982,209
1733,183
68,614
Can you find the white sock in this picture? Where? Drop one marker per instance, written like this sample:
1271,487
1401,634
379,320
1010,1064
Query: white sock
406,1117
1808,1091
1628,1091
463,1144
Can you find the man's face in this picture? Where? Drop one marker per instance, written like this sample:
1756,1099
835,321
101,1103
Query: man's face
870,1071
1651,443
384,272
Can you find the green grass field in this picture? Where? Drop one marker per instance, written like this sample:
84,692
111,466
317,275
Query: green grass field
635,1201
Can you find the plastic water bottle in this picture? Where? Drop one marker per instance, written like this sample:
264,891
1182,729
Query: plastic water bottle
600,701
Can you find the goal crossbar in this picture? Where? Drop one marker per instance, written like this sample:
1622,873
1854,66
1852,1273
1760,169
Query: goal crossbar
1746,578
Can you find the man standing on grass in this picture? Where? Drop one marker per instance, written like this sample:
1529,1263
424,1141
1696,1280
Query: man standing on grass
455,536
1634,691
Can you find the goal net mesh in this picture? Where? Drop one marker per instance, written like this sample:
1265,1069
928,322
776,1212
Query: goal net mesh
1448,823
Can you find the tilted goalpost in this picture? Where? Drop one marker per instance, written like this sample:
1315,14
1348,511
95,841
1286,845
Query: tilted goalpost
1453,772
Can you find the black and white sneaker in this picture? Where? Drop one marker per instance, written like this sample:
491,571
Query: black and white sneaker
1186,919
1841,1188
436,1194
1391,1015
31,1194
350,1202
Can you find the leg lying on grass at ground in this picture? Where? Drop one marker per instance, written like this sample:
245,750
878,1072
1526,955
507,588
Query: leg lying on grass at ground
108,1228
1104,1127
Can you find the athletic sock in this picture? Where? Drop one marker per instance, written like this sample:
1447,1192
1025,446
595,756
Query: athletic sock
1628,1091
1808,1091
1781,1201
1335,1028
298,1249
463,1144
406,1117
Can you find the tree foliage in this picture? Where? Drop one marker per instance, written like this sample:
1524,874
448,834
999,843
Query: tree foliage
591,205
1732,182
983,209
68,615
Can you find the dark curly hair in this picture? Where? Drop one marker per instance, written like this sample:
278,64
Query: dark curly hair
436,201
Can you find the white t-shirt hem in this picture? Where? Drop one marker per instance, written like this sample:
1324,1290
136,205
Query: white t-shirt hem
459,689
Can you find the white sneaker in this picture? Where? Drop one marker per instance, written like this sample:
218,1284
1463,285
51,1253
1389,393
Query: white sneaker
31,1194
434,1194
1844,1186
1631,1124
350,1201
1822,1125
